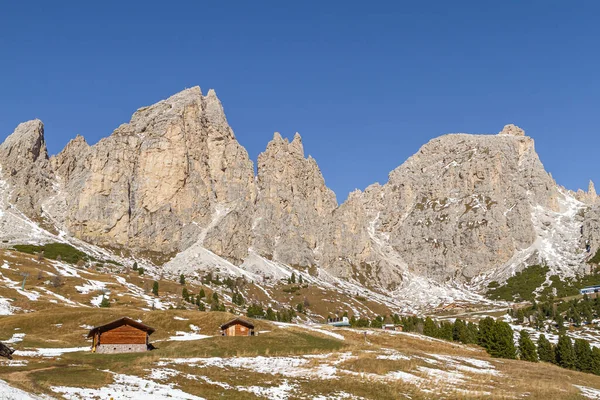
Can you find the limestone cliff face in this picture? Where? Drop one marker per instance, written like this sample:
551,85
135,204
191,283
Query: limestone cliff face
460,206
591,229
294,206
25,166
155,183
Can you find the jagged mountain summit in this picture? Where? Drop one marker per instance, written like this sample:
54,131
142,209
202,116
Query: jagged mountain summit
175,184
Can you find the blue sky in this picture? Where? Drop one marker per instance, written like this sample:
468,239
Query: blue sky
365,83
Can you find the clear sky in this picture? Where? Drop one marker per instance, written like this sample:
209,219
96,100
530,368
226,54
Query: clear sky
365,83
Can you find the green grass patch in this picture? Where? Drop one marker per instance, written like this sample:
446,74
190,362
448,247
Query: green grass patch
566,287
53,251
521,286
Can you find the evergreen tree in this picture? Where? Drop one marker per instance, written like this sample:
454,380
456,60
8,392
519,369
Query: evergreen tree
471,333
396,319
502,344
353,321
583,355
520,316
185,294
140,271
486,328
595,361
293,278
445,332
560,322
105,303
155,288
458,330
215,298
300,281
565,355
300,307
545,350
135,266
201,294
271,316
182,279
527,350
255,310
377,322
430,328
201,307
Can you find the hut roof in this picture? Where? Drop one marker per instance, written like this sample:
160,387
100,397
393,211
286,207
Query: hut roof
120,322
236,321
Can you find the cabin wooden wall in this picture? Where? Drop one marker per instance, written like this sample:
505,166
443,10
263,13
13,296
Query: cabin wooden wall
237,330
124,334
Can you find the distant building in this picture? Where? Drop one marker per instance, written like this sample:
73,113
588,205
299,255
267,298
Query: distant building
390,327
338,321
124,335
237,327
590,289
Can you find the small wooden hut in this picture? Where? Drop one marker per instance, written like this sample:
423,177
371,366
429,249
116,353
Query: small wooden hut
124,335
237,327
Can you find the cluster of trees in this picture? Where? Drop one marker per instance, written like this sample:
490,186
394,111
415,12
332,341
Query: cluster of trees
292,279
497,338
576,312
577,355
283,315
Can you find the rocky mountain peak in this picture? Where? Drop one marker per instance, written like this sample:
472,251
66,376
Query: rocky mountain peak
26,142
592,189
511,129
24,162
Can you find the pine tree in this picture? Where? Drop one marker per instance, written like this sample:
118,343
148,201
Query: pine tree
583,355
300,281
140,271
201,307
527,350
486,328
155,288
520,316
182,279
271,316
293,277
215,298
135,266
545,350
458,330
502,344
300,307
105,303
202,294
430,328
565,355
445,332
185,294
595,361
471,333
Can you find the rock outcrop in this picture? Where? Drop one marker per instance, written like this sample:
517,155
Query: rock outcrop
460,206
25,166
294,206
154,185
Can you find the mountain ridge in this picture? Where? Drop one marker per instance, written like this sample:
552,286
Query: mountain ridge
461,209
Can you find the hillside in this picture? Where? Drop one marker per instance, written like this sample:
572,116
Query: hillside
283,362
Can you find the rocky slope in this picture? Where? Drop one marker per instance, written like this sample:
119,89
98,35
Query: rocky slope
174,180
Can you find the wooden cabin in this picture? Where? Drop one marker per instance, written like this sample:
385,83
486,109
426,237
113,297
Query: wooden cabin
237,327
124,335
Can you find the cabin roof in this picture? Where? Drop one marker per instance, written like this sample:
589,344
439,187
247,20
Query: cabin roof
237,321
120,322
